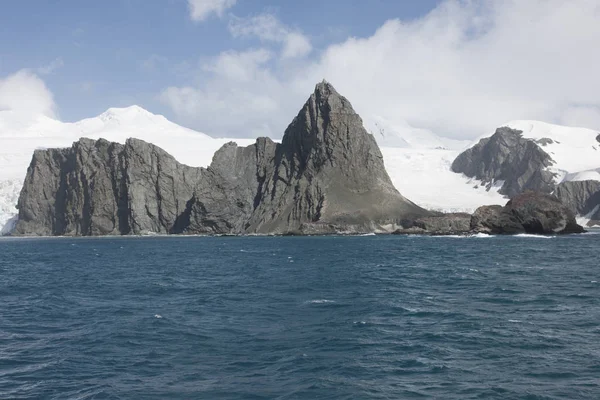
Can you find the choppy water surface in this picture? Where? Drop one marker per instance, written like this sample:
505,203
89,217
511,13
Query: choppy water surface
300,318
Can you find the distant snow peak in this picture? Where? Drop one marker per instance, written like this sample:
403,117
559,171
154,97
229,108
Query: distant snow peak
399,133
127,113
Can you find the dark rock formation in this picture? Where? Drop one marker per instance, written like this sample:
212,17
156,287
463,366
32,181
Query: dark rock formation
507,156
582,197
103,188
529,212
495,220
445,224
326,176
327,171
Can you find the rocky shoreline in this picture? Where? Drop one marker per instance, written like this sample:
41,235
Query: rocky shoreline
530,212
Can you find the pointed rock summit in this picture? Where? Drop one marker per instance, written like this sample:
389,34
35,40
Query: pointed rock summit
329,174
326,176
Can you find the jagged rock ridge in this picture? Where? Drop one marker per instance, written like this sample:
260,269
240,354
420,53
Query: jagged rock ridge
508,157
326,176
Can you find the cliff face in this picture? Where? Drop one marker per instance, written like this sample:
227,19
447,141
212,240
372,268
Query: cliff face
103,188
529,212
507,156
327,175
582,197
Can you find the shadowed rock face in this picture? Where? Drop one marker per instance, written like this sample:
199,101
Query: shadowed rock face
495,220
582,197
326,176
103,188
529,212
328,171
507,156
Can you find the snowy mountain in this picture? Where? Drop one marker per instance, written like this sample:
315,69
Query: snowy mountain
575,151
402,135
418,162
21,134
533,155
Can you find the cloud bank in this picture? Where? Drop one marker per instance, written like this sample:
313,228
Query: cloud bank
25,92
460,71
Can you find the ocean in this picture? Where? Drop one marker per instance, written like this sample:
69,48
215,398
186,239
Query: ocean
373,317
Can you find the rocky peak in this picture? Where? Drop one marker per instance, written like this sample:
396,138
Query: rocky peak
327,131
326,176
507,156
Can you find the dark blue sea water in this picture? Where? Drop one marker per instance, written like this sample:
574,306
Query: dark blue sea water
300,318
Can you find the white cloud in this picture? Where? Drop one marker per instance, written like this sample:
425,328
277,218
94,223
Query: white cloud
25,92
200,10
268,28
232,94
460,71
296,45
238,67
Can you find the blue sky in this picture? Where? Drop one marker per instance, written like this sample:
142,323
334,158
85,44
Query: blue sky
118,52
242,68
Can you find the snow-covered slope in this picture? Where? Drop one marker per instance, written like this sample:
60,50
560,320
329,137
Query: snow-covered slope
21,134
421,170
402,135
576,151
424,176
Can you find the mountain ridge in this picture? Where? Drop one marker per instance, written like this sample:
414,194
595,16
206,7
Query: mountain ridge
326,176
421,174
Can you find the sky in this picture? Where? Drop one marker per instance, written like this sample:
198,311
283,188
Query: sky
243,68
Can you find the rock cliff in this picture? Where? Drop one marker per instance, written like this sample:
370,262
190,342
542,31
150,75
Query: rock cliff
529,212
103,188
326,176
519,163
582,197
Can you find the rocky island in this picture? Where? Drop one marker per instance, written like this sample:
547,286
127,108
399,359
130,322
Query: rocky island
326,176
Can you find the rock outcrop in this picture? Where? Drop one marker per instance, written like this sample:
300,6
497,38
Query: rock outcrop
529,212
445,224
326,176
582,197
519,163
495,220
103,188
